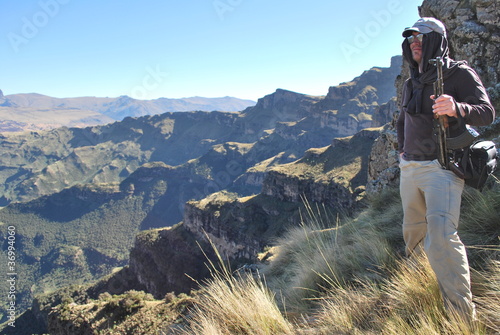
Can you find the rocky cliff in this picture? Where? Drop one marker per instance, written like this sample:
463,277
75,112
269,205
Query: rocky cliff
168,260
334,175
361,98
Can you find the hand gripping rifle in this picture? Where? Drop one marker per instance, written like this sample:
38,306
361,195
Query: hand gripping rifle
440,121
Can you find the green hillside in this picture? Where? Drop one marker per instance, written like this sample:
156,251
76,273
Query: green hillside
70,238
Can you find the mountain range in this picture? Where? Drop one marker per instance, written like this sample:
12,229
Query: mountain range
79,196
278,129
31,111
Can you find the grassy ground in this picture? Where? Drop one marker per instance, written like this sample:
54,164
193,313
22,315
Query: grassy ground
348,276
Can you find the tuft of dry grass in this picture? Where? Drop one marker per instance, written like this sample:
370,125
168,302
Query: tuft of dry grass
236,304
486,287
346,310
317,252
409,302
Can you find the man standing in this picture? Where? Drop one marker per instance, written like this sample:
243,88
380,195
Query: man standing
431,194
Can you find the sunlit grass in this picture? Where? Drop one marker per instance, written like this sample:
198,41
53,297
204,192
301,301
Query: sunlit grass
236,304
336,275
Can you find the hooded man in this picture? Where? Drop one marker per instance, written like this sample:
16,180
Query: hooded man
431,194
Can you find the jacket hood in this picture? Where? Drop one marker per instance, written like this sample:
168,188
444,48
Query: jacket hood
433,45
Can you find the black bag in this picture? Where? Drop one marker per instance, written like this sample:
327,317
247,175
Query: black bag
478,161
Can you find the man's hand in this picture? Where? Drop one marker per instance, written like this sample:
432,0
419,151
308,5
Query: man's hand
444,105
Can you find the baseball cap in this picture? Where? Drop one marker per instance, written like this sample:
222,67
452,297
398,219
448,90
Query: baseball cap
426,25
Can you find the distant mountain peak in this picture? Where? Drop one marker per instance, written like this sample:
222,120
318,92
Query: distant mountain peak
125,97
5,102
279,96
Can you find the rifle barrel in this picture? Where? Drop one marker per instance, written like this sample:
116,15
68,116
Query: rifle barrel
442,119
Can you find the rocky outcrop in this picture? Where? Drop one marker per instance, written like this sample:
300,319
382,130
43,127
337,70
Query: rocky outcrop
206,221
385,113
280,106
240,227
383,168
295,189
168,260
350,107
336,188
374,85
285,105
345,110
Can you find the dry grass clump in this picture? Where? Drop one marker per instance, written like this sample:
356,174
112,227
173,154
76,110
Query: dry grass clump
346,310
239,304
310,256
486,288
408,302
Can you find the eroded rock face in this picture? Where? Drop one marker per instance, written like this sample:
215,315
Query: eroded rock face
208,222
473,29
352,106
383,166
166,260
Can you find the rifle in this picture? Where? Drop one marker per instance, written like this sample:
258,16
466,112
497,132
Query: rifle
440,121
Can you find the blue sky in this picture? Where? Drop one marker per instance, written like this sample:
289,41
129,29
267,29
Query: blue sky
211,48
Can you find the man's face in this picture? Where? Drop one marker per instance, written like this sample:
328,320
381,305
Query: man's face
416,49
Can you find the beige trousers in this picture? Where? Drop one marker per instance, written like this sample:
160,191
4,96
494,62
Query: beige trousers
431,198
